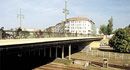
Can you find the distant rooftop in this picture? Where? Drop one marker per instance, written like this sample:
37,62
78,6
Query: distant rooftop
80,18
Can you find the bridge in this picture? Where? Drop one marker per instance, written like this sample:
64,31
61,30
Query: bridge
51,47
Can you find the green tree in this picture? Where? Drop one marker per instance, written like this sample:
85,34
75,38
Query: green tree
121,40
18,31
103,29
128,33
107,29
110,26
129,26
2,33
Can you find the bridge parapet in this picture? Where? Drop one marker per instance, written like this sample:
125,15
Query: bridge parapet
47,40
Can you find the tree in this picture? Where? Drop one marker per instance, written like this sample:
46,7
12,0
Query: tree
129,26
128,33
103,29
3,33
110,26
107,29
24,34
39,33
121,40
18,31
49,31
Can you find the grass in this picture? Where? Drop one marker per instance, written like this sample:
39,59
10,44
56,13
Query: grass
117,62
96,61
96,44
63,61
68,63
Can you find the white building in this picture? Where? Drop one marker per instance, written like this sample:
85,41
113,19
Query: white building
81,25
97,31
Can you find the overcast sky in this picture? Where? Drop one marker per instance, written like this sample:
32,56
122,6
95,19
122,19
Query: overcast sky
44,13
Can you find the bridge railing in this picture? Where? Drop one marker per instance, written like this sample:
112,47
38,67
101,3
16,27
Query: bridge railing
27,34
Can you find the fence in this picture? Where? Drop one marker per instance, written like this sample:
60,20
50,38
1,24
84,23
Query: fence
122,59
110,55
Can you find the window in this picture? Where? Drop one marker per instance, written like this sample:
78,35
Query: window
89,30
80,28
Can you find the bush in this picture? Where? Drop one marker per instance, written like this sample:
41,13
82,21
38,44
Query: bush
120,41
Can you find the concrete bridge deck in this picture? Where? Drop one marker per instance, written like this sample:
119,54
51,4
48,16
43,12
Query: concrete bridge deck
19,52
7,42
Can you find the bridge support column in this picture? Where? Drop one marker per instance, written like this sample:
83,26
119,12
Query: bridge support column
1,58
44,52
56,52
70,52
29,52
50,52
39,52
63,52
20,53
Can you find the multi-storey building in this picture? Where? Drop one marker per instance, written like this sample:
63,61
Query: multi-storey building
81,25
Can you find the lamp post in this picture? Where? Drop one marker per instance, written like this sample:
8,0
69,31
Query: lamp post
66,12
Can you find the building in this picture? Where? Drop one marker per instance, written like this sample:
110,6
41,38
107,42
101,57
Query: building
97,31
59,28
80,25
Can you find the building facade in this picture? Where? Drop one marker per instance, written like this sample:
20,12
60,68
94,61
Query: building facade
80,25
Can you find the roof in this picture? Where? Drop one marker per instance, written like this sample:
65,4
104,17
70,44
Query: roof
80,19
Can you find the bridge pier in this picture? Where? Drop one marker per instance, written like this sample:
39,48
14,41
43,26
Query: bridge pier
56,52
1,58
63,52
44,51
29,52
20,54
70,52
50,52
39,52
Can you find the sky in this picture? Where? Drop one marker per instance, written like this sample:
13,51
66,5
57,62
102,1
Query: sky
40,14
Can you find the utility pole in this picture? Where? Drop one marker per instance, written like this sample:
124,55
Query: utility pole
66,12
20,18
